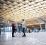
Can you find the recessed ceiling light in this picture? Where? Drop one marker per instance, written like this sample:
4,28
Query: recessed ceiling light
33,9
5,9
12,1
42,3
9,7
35,6
24,7
13,5
24,0
24,4
19,9
7,3
29,5
19,6
18,2
40,7
11,10
36,2
5,0
14,8
30,1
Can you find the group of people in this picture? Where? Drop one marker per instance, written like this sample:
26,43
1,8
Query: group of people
22,27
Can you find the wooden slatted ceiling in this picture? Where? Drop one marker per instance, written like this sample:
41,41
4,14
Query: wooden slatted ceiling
9,9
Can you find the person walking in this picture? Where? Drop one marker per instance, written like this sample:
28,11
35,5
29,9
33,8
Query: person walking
24,27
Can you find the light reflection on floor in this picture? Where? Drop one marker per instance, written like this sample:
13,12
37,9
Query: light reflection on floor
30,39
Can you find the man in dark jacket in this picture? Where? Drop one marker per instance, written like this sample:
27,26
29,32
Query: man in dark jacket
13,29
0,31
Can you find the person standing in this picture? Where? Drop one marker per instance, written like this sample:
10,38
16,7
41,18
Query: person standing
0,31
13,29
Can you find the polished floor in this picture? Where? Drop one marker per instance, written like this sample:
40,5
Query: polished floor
33,38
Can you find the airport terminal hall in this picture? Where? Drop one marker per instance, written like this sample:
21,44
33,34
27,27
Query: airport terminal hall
22,22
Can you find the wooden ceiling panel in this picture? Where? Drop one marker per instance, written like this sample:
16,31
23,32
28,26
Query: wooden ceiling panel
27,8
